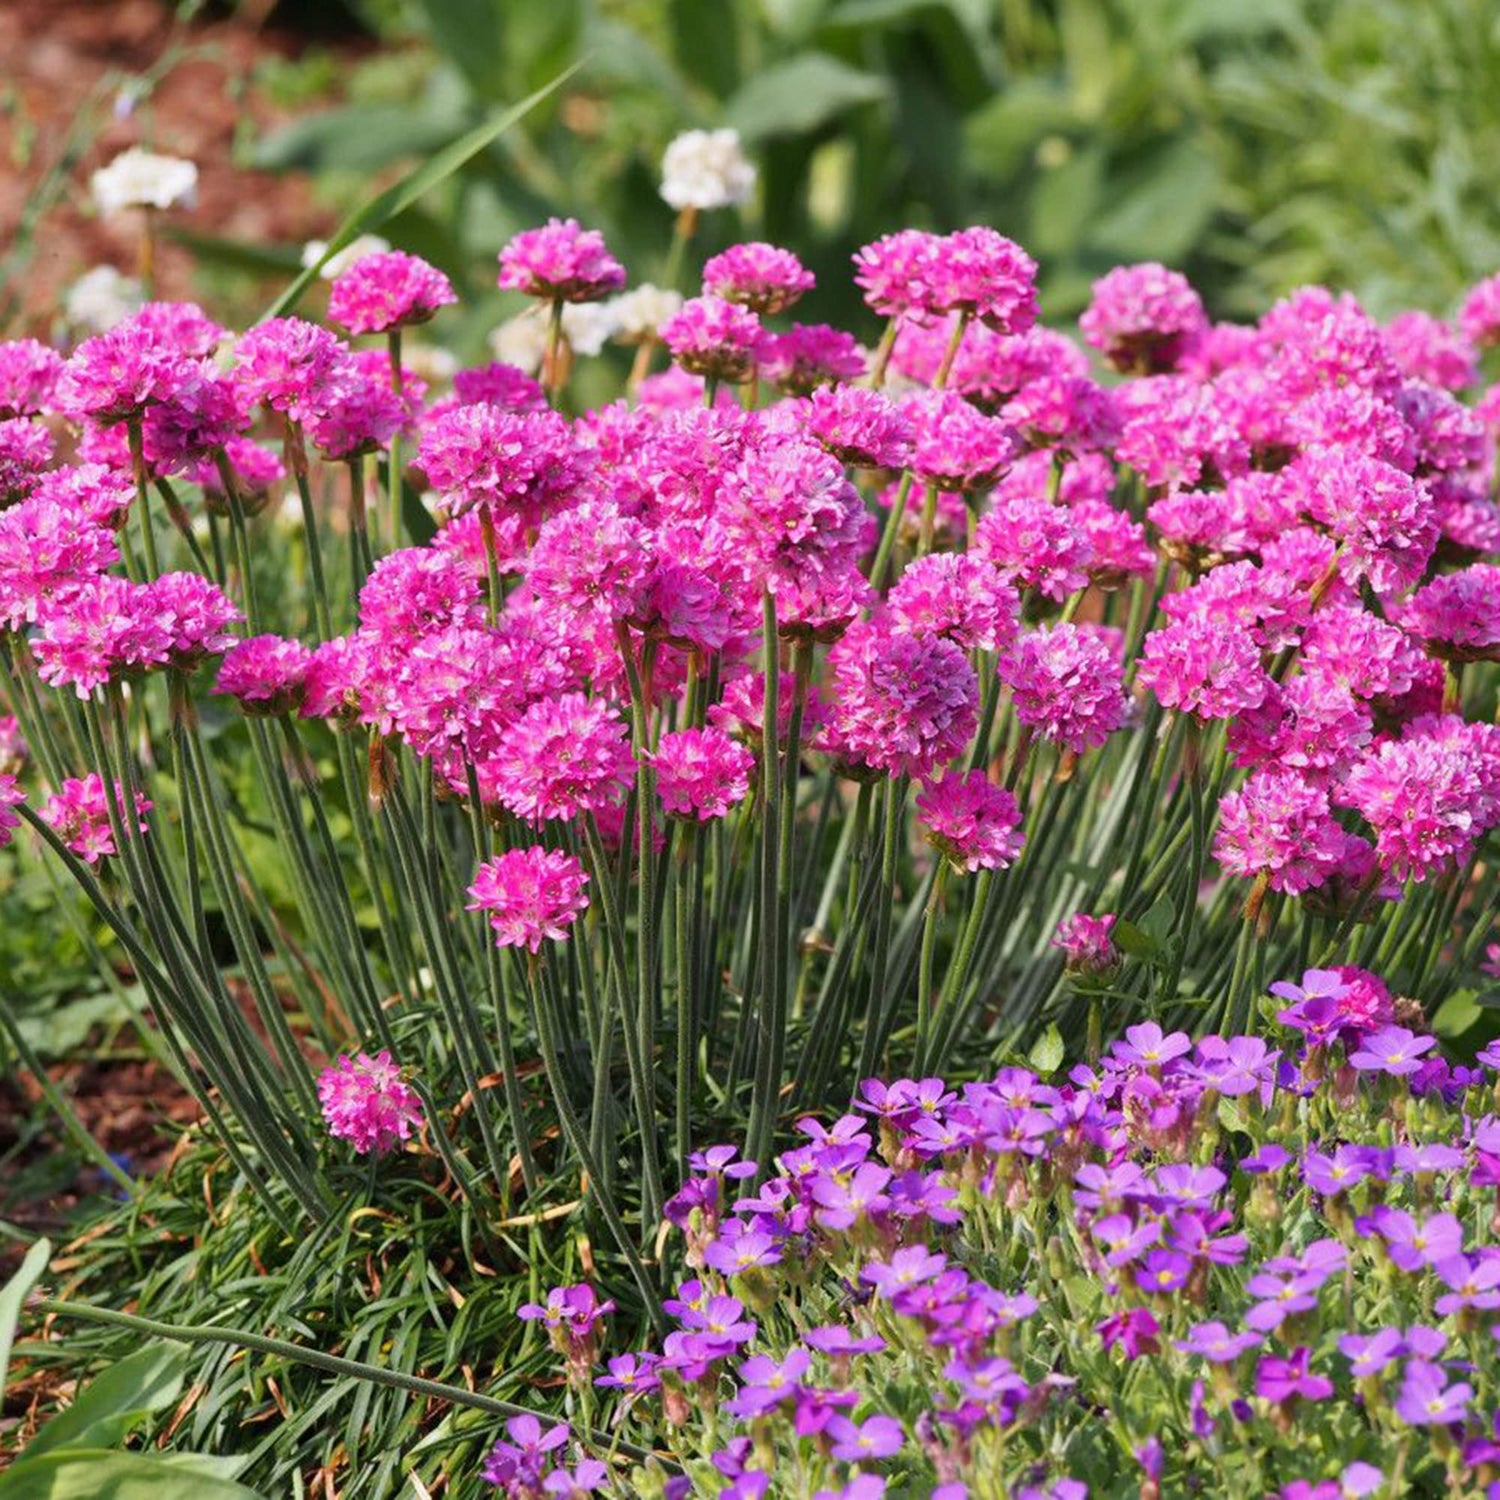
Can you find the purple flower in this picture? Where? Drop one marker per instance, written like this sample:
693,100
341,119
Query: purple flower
1473,1282
1163,1271
907,1267
632,1373
1147,1047
1337,1172
1426,1400
1393,1050
1412,1244
1215,1343
1280,1380
767,1382
732,1254
838,1342
1369,1354
875,1437
1135,1330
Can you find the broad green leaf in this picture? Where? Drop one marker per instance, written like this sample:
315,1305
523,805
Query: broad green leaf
1457,1014
800,95
705,43
1048,1053
471,35
99,1474
401,195
1066,201
357,137
1001,133
1162,206
13,1298
1231,1113
115,1400
1135,942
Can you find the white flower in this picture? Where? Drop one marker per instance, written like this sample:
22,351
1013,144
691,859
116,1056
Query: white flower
706,169
522,340
430,362
101,298
639,312
142,179
588,326
340,261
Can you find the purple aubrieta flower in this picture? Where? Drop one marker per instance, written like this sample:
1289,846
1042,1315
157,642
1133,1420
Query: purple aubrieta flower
1413,1244
1427,1400
732,1254
1370,1353
766,1382
1393,1050
862,1486
1134,1330
1215,1343
1281,1380
520,1461
1145,1046
1432,1157
719,1161
1270,1158
574,1308
1473,1281
1236,1065
1281,1297
875,1437
633,1374
1163,1272
839,1342
907,1267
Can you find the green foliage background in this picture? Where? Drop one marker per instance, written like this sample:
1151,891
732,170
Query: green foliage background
1257,144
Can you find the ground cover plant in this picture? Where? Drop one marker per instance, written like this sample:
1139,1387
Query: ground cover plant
482,797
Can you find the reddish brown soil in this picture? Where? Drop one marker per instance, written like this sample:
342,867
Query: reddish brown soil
55,54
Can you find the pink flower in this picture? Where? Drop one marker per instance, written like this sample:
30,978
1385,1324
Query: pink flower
524,464
500,385
1087,943
530,896
1479,317
892,273
563,756
860,427
266,674
1066,411
959,596
980,272
1457,615
976,824
1036,545
906,704
25,451
592,557
358,415
809,355
1278,825
102,630
116,375
1427,348
1143,318
1204,668
80,816
762,277
1381,517
366,1102
28,375
714,338
701,773
10,796
560,262
1065,683
387,290
957,447
182,327
290,365
196,614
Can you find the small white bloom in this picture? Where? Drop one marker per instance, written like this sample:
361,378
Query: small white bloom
101,298
357,248
429,362
640,312
288,515
522,340
142,179
706,169
588,326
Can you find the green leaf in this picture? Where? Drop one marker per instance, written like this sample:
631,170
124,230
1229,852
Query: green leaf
1047,1055
116,1400
103,1475
705,43
801,95
401,195
1134,942
1232,1113
471,35
13,1298
356,137
1162,206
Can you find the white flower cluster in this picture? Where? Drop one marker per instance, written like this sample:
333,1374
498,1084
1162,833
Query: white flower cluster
341,260
706,169
631,317
101,298
142,179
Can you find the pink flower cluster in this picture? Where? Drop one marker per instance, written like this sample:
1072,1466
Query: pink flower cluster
366,1102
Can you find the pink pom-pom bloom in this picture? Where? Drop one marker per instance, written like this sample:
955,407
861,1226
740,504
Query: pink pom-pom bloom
974,271
116,375
1457,615
809,355
958,448
28,375
1205,668
1427,348
563,756
560,262
480,457
976,824
11,796
860,427
501,385
530,896
701,773
714,338
196,614
1278,826
1143,318
292,366
387,290
906,703
1065,683
80,816
1036,545
764,278
266,675
25,452
103,630
1479,317
958,596
1087,943
366,1102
